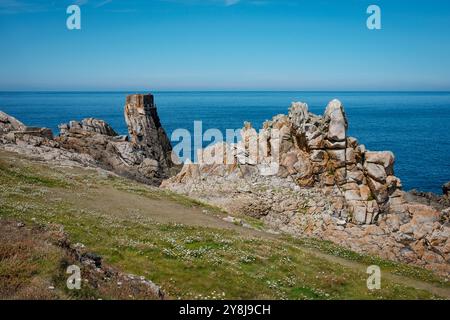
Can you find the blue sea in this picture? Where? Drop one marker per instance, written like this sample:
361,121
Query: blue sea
414,125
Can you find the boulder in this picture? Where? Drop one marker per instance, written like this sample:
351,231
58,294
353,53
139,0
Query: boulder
422,214
87,125
298,113
335,116
375,171
337,158
98,126
383,158
359,214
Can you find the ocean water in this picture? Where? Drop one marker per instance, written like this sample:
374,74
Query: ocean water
414,125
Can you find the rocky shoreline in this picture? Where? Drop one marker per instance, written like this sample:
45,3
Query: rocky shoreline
144,155
327,185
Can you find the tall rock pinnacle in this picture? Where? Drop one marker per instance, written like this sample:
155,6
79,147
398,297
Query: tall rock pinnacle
145,129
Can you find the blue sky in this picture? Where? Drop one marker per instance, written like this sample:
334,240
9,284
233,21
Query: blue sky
225,45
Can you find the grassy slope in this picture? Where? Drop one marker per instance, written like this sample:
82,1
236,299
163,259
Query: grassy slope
189,261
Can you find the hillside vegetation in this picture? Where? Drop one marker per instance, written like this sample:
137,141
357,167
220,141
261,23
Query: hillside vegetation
177,243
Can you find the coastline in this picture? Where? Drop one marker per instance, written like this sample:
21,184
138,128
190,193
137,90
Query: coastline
409,126
384,215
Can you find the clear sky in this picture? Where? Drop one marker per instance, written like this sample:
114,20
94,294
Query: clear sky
225,45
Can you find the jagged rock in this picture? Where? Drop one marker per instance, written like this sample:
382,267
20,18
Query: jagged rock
93,142
146,157
45,133
13,130
375,171
145,129
338,160
359,183
298,113
335,115
350,156
88,125
356,174
323,177
9,123
439,202
383,158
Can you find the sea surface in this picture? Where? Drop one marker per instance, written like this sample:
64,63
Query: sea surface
414,125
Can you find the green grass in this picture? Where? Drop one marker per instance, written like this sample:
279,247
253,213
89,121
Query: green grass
159,194
387,265
28,176
191,262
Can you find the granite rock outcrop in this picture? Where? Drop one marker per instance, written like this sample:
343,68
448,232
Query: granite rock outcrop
304,175
145,157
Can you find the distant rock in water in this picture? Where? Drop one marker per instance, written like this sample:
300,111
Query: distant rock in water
93,142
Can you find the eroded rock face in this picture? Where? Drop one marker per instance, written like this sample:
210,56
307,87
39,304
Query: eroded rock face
9,123
305,177
310,178
88,125
37,143
13,131
311,151
146,131
145,158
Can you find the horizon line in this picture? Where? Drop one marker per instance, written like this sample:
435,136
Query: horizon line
224,90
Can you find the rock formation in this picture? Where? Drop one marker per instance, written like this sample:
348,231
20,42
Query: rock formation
88,125
145,158
8,123
14,132
145,130
13,128
314,151
93,142
301,174
310,178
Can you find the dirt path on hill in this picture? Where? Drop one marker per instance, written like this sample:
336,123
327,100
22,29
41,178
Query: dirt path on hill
117,202
123,204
